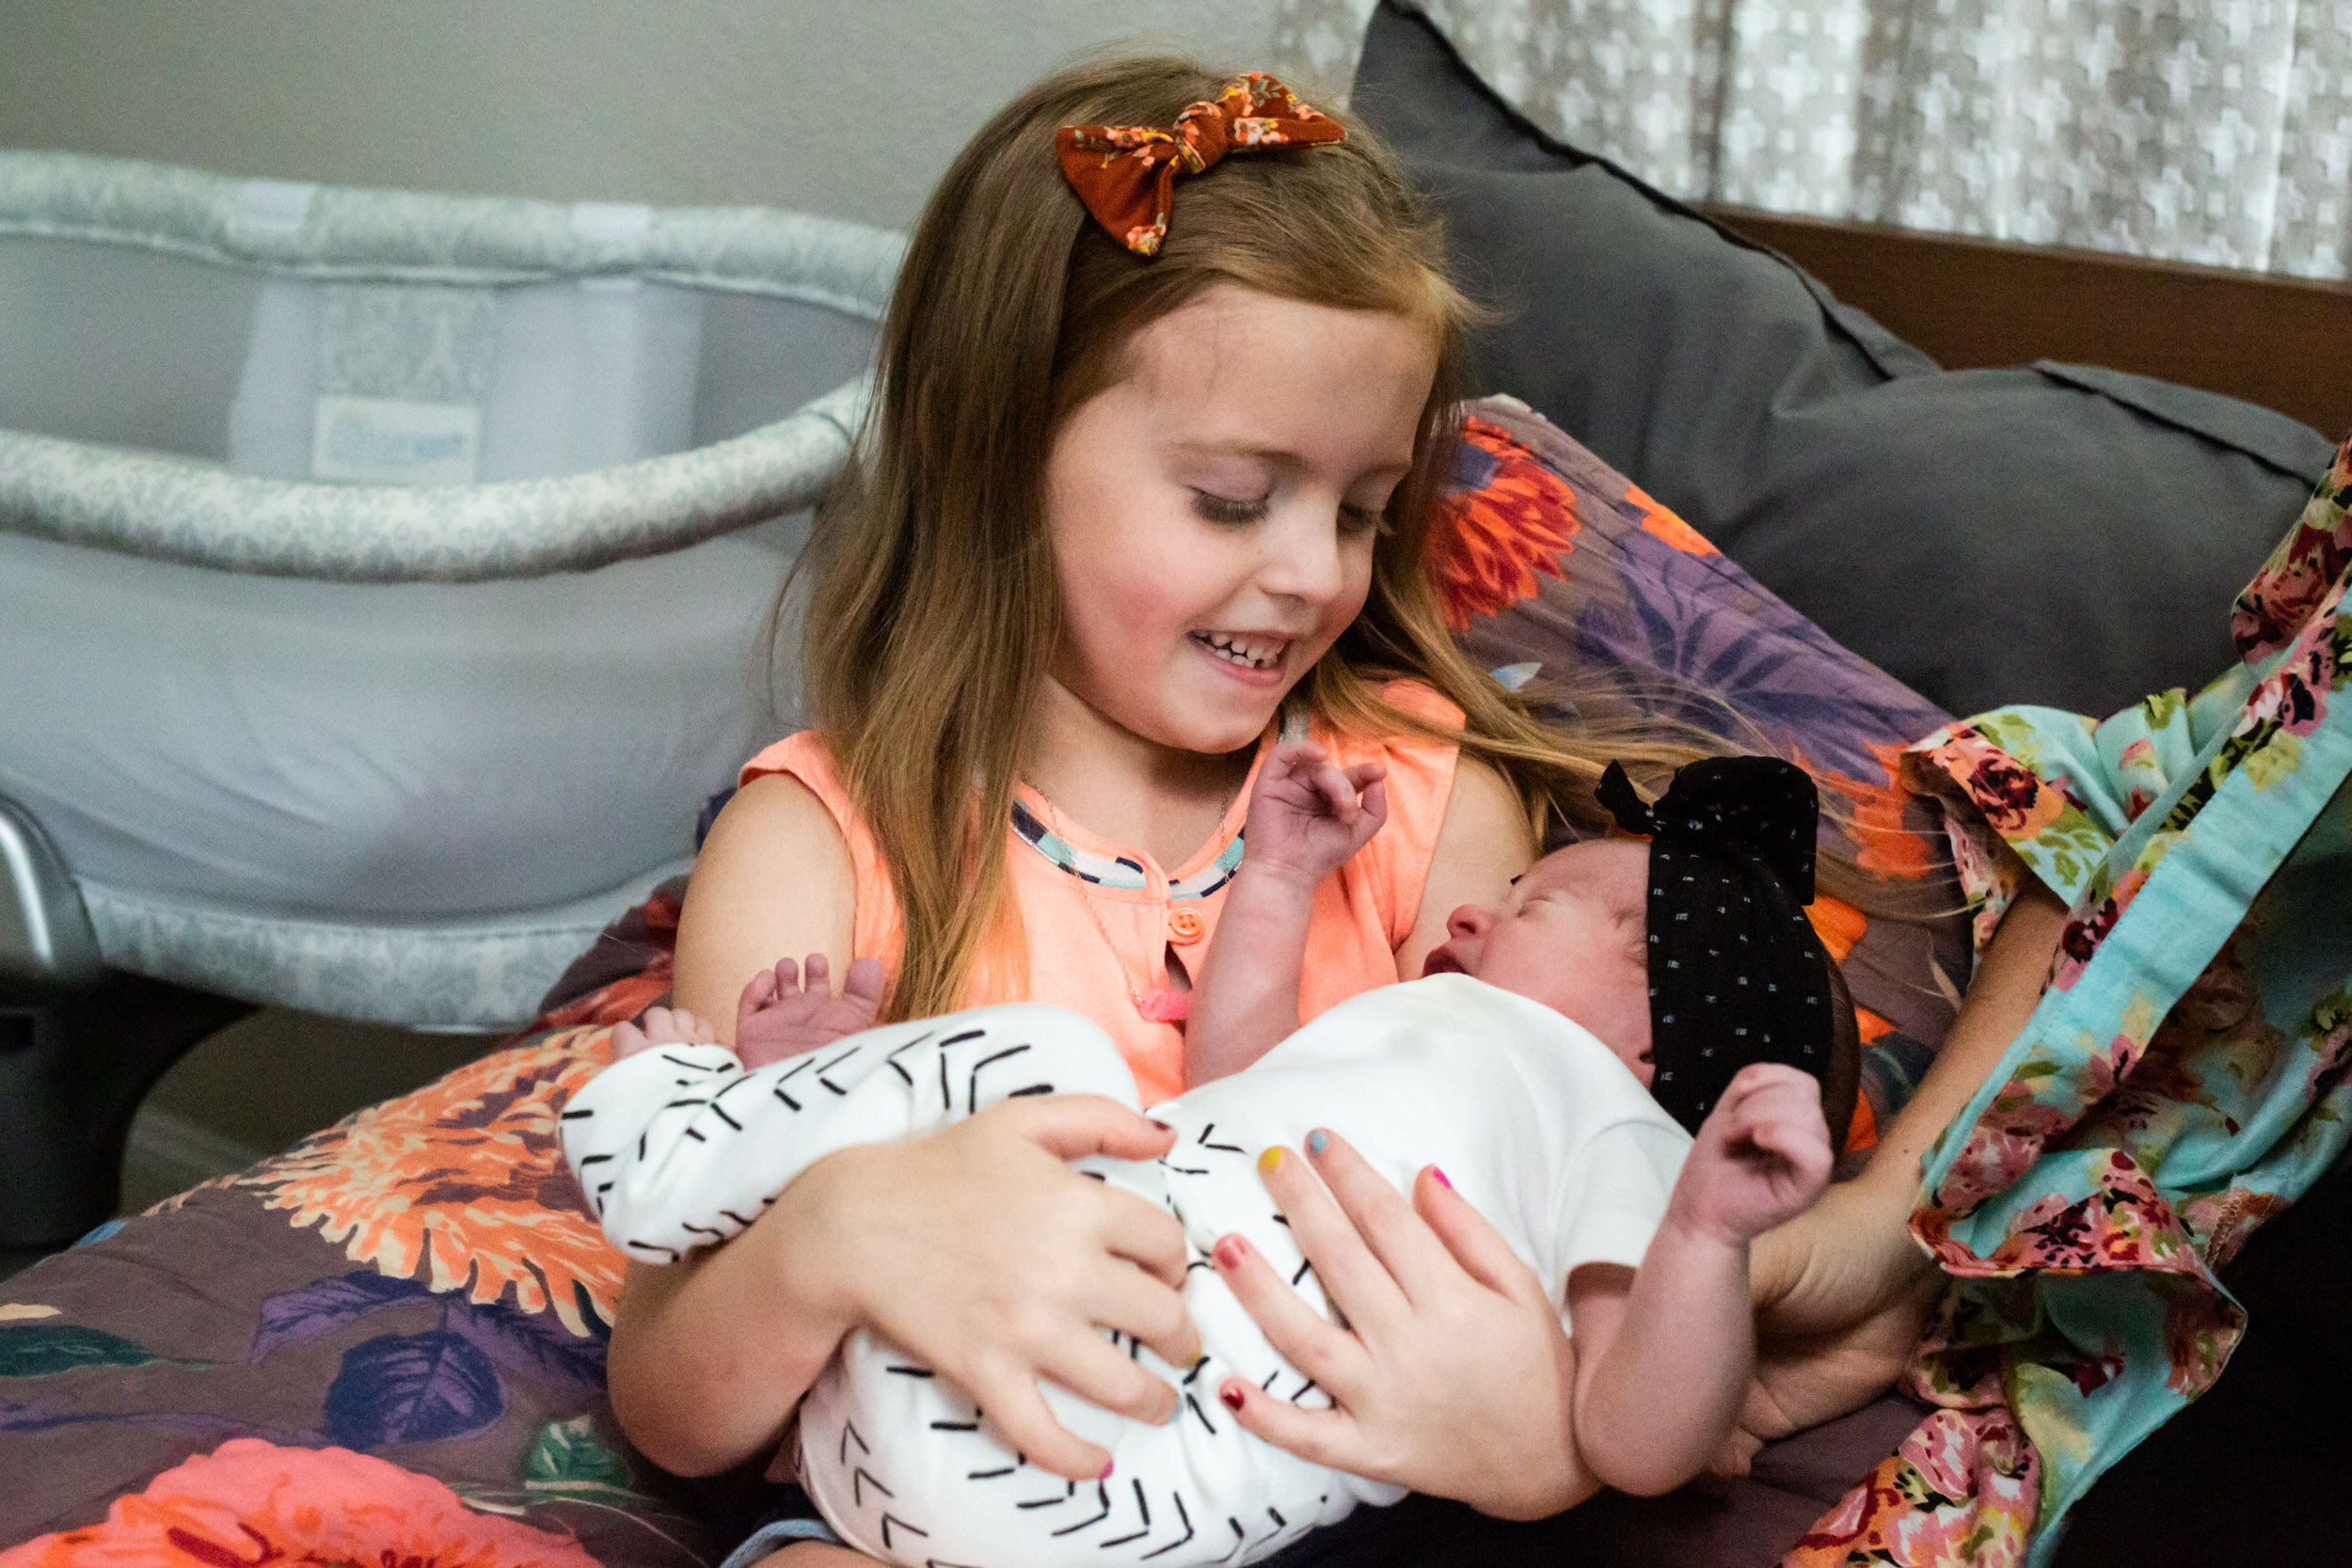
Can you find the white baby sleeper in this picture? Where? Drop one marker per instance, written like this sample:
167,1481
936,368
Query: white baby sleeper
1532,1119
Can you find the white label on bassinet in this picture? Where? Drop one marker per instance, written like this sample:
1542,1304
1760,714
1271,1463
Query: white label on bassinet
391,441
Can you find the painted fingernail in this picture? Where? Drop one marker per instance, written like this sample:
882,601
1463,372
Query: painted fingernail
1317,1141
1107,1469
1228,1253
1158,1123
1440,1176
1230,1398
1270,1161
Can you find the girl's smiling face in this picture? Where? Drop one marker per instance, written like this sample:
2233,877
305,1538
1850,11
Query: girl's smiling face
1212,514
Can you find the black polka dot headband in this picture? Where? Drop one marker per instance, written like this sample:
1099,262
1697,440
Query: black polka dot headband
1736,973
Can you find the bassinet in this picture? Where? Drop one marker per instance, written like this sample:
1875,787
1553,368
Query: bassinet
380,572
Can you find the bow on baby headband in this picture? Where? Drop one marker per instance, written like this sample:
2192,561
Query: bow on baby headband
1736,973
1126,174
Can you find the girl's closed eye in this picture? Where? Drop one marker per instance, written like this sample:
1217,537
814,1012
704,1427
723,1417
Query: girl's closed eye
1218,508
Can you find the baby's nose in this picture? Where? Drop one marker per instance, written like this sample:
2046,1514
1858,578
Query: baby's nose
1471,920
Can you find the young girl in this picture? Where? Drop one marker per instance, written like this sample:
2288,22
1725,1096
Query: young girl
1115,510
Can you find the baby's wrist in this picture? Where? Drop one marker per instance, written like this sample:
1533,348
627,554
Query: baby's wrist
1275,882
1691,1226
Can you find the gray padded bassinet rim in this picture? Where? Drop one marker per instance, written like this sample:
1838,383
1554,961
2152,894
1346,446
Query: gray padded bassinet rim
156,507
330,234
486,974
139,504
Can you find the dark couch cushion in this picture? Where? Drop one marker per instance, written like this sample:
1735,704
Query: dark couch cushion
2050,535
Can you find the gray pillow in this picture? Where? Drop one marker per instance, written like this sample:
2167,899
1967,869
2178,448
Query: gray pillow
2051,534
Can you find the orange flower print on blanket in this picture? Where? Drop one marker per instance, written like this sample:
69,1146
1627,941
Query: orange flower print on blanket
464,1180
1493,544
1662,524
250,1502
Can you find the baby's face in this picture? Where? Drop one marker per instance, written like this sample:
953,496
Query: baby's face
1571,934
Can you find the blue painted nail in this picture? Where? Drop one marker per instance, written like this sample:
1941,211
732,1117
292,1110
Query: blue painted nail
1318,1141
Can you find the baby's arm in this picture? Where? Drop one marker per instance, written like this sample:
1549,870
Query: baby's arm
1666,1354
1306,818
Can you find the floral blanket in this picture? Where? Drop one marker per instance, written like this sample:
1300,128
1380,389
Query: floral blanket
2182,1081
388,1343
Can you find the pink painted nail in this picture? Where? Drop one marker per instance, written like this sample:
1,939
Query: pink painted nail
1228,1253
1231,1397
1440,1176
1107,1470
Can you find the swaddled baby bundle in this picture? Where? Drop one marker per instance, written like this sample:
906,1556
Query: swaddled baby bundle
1534,1121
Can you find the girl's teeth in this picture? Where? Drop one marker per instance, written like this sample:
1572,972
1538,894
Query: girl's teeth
1226,648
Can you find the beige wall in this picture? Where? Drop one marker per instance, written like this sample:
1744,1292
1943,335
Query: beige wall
849,107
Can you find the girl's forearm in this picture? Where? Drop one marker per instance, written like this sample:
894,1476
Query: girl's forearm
710,1356
1666,1386
1246,1000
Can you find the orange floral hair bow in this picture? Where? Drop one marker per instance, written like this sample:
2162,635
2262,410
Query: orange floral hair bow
1126,174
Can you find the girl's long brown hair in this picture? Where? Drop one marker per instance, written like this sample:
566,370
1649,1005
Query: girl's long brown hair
932,609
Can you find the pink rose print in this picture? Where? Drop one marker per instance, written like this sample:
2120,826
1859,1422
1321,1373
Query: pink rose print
2017,803
2085,932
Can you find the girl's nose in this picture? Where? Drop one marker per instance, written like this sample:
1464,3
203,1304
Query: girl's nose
1303,561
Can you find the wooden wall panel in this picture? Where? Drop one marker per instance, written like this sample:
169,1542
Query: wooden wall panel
2283,342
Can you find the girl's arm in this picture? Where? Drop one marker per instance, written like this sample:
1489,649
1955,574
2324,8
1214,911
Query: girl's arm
773,879
976,1248
1482,843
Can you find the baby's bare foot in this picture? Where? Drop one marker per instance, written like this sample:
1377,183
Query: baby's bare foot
780,1016
660,1026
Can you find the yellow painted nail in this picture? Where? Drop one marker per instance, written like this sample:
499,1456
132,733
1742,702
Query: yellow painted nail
1271,1159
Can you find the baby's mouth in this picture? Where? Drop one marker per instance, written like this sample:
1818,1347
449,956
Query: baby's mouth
1251,650
1441,961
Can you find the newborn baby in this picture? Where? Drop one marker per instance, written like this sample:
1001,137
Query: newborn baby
1517,1066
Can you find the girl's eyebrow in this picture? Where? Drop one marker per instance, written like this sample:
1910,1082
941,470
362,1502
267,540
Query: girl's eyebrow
1281,457
1239,449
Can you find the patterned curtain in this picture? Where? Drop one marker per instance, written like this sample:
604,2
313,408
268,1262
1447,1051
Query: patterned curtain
2209,130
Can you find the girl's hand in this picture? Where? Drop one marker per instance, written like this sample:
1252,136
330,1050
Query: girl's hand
1454,1377
979,1253
777,1018
1762,1157
1308,817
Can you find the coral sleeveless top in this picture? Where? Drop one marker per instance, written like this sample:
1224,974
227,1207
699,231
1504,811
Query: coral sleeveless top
1098,919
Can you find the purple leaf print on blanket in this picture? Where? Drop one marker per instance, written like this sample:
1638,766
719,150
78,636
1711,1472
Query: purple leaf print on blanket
293,1316
411,1388
535,1343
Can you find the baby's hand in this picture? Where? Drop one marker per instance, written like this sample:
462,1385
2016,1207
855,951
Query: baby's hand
1307,816
660,1026
777,1018
1761,1156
